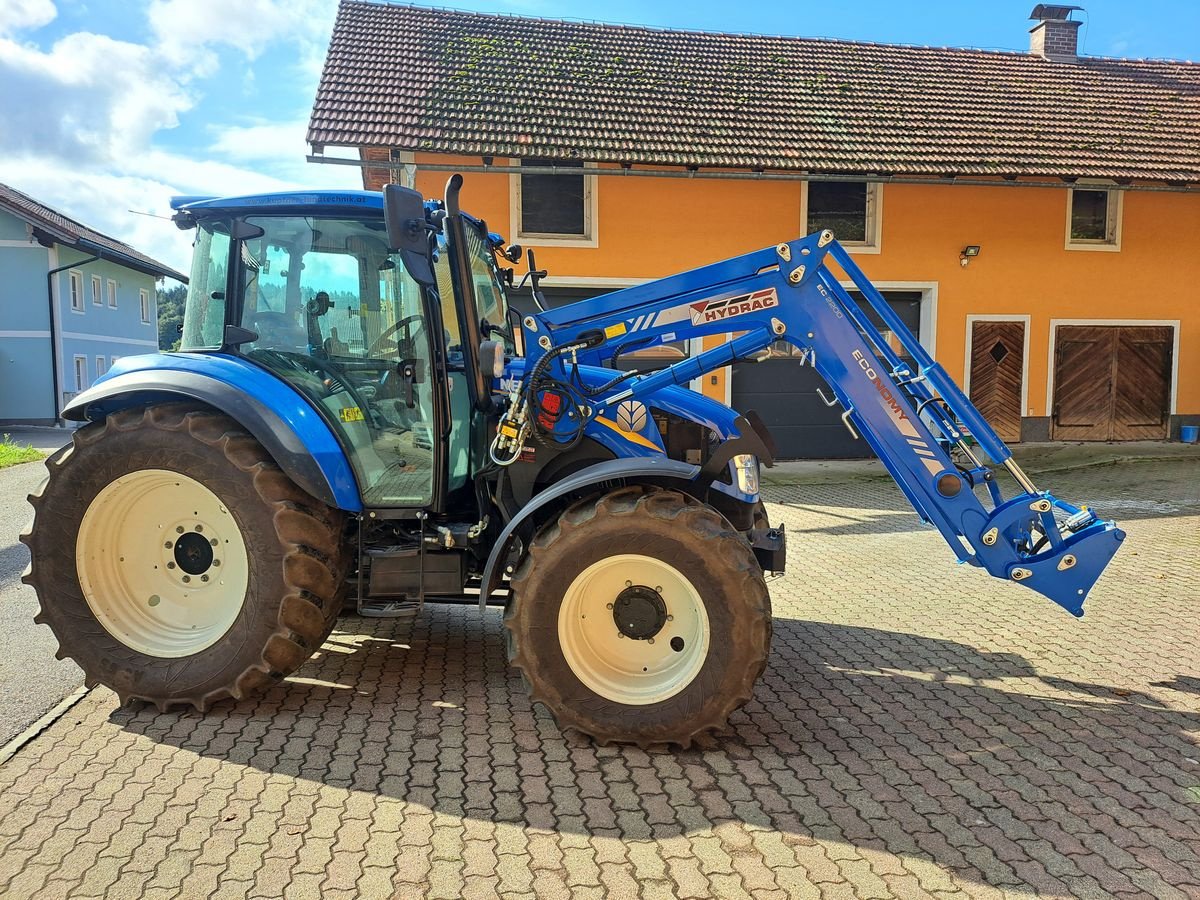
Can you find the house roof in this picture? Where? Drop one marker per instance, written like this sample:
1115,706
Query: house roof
68,231
458,82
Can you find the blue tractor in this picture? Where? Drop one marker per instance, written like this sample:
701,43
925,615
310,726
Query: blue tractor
358,418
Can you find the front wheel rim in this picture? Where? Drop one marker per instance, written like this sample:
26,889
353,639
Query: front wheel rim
162,563
633,670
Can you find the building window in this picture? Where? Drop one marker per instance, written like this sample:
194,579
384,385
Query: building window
112,293
80,373
555,209
76,292
1093,218
852,210
100,367
97,297
144,301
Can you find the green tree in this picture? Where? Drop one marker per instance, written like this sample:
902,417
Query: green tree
170,316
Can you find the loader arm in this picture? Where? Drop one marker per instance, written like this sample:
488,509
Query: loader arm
911,415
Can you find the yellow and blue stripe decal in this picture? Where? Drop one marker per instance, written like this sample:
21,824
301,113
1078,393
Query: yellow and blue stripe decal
630,436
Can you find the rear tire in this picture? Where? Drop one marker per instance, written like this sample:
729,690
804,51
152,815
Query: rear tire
176,563
690,582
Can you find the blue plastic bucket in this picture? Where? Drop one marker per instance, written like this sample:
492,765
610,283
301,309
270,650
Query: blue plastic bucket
1189,434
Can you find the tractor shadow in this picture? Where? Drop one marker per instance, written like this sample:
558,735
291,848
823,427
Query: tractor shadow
885,741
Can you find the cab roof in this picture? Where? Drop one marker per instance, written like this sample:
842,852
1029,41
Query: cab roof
190,207
288,201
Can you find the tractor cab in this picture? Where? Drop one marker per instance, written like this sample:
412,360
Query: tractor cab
306,286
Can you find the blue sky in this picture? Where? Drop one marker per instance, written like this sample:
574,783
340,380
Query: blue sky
108,106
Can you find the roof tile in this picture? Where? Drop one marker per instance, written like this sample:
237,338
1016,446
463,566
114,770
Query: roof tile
457,82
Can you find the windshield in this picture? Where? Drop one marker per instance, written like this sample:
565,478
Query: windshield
489,289
204,312
489,292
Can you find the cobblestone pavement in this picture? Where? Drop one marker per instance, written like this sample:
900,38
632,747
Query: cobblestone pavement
922,731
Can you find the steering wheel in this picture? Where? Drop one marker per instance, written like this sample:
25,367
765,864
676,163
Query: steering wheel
406,324
278,328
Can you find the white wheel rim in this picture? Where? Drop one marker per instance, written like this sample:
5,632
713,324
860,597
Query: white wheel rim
622,669
162,563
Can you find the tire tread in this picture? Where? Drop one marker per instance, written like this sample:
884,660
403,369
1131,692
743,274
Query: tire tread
704,524
315,561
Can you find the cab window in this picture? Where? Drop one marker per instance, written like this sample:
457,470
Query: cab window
338,317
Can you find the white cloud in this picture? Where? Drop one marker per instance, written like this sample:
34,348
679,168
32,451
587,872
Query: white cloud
187,29
88,99
16,15
79,119
262,140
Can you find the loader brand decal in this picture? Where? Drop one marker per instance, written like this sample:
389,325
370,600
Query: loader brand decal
830,302
727,307
890,402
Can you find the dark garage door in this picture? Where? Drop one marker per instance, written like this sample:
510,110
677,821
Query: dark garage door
784,393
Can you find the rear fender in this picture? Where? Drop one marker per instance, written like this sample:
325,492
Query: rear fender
295,434
653,470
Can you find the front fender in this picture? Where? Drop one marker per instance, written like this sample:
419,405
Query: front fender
295,434
630,469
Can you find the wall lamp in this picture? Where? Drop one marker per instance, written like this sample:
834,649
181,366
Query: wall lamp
967,253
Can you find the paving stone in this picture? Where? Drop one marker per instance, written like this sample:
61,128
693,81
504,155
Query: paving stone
902,742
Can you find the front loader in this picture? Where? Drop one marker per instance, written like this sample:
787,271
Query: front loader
358,420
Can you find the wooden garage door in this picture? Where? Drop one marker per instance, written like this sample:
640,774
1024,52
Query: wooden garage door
1111,383
997,372
1142,383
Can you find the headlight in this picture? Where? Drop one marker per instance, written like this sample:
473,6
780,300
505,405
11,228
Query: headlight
745,467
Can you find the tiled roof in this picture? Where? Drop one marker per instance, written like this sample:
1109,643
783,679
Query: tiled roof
75,234
457,82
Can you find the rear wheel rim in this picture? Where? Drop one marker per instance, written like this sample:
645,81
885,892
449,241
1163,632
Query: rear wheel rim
635,671
162,563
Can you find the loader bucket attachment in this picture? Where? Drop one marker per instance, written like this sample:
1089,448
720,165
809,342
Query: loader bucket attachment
1066,575
1034,538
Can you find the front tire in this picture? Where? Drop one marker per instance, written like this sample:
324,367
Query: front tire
640,617
175,562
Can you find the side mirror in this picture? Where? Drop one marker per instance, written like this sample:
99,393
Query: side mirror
408,235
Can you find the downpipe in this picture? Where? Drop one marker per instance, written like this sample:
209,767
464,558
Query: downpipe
55,381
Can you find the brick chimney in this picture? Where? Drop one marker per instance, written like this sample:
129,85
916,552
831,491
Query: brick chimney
1056,34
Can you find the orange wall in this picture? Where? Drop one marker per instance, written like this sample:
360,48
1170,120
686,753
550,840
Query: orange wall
653,227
